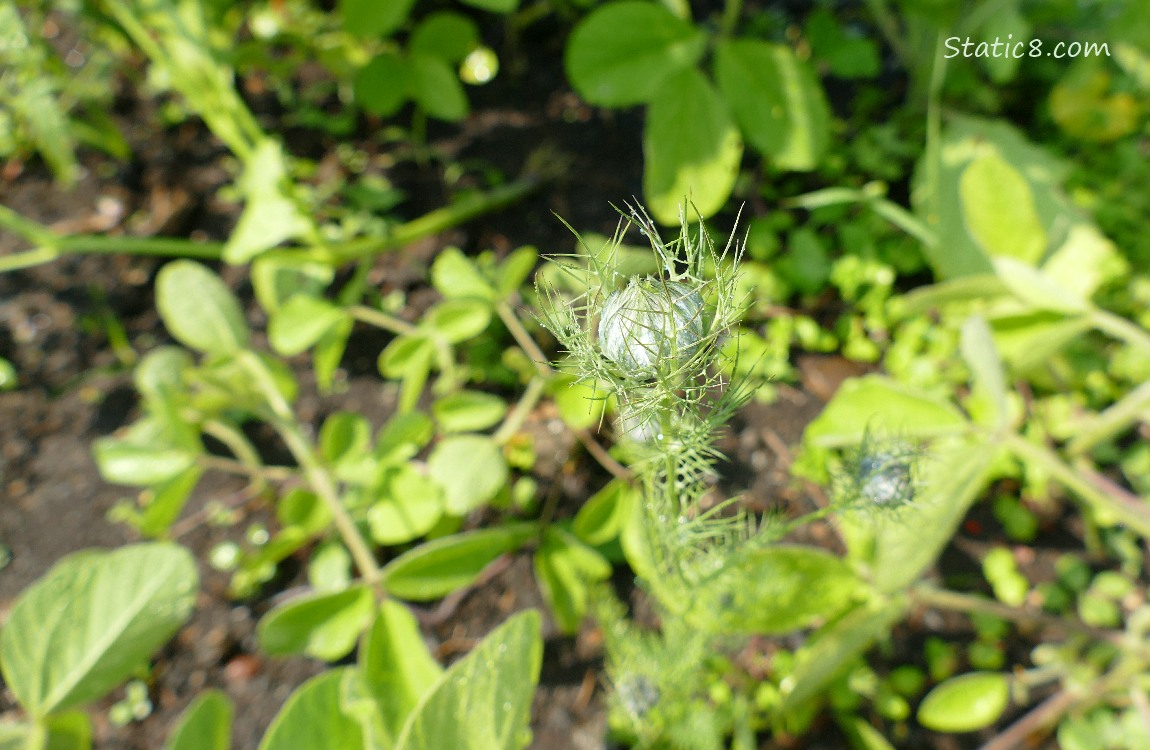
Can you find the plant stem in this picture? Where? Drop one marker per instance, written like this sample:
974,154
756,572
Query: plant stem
1113,420
382,320
523,407
1133,514
937,598
283,419
434,222
888,27
732,9
1120,328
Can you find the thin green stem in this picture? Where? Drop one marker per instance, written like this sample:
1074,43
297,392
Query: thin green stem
1120,328
1112,421
523,407
732,9
523,338
382,320
1133,514
937,598
284,421
888,27
240,447
439,220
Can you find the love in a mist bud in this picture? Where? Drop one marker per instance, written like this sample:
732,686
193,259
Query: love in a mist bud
651,326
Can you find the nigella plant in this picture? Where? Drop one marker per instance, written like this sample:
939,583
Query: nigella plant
879,474
651,332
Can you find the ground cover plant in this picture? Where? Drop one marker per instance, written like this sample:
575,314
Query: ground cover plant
815,417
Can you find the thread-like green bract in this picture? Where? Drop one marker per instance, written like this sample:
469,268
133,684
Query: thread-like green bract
651,326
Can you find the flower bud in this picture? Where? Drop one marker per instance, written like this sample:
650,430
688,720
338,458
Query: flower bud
651,326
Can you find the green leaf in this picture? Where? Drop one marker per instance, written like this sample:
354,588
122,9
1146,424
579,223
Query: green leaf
998,206
776,100
272,214
329,567
965,703
435,87
515,270
846,56
8,377
383,85
454,275
468,411
456,320
313,718
483,702
301,322
691,149
563,567
92,620
1006,23
774,590
140,465
160,374
835,647
206,724
328,353
345,443
982,358
304,510
70,730
406,354
444,34
325,626
277,279
366,18
580,405
603,515
403,436
435,569
167,502
409,506
396,666
470,468
1037,289
199,310
620,53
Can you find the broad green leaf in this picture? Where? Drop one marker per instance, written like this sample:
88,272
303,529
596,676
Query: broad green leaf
435,87
691,149
92,620
875,402
199,310
313,718
483,702
206,724
304,510
272,213
454,275
367,18
470,468
167,502
563,568
301,322
620,53
468,411
382,86
435,569
845,55
1029,341
457,320
409,506
515,269
140,465
446,35
404,355
940,202
276,279
329,567
325,626
775,590
835,647
69,730
965,703
357,702
580,405
1036,289
998,206
396,666
1084,262
776,100
345,444
160,374
603,515
403,436
985,366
